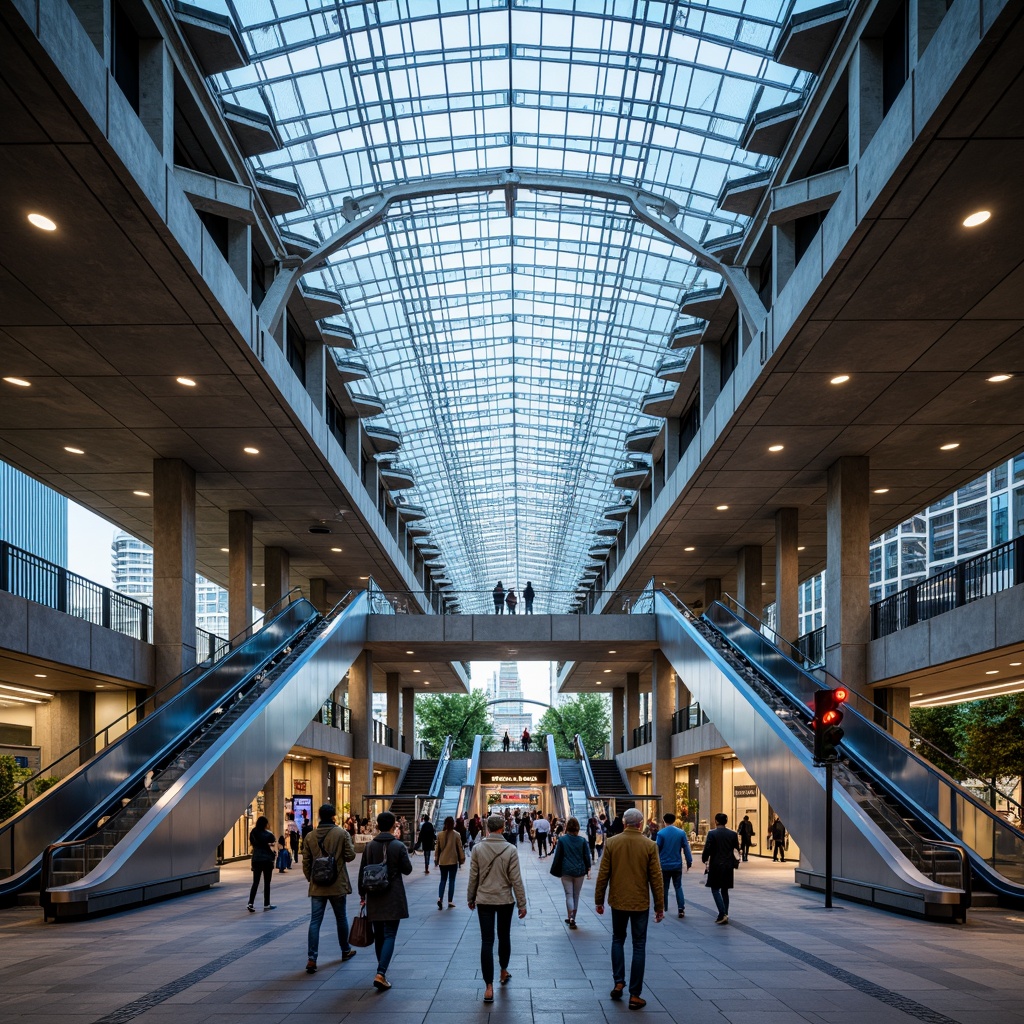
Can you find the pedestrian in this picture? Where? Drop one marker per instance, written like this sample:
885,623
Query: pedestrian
460,828
291,830
745,830
425,840
327,840
526,740
498,593
495,889
473,828
524,827
615,828
511,601
449,856
385,908
506,742
528,595
542,831
592,837
673,846
721,852
570,863
262,863
284,857
632,870
777,839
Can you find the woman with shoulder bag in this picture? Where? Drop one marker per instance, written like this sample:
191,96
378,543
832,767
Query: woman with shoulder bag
262,840
383,892
449,856
494,879
571,863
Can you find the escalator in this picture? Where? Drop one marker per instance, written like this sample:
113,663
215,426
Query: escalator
907,836
74,807
162,840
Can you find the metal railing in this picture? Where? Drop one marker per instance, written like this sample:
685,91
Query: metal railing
383,733
643,734
986,574
336,715
35,579
688,718
812,648
210,647
481,602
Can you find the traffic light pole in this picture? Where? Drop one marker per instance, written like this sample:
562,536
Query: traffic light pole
828,835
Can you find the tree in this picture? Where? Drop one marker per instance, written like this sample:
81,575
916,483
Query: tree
994,736
943,728
448,713
587,715
11,775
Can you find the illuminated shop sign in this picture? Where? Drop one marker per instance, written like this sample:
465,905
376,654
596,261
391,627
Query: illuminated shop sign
538,778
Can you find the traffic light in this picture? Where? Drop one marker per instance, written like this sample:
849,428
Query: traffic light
827,716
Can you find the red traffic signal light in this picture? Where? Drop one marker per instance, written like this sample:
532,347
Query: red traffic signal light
827,716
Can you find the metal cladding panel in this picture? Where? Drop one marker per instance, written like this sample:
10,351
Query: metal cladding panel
781,767
179,835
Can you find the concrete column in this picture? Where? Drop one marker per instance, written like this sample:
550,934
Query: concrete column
663,704
683,696
360,701
393,681
318,595
353,440
787,573
671,446
895,702
273,800
710,377
632,706
240,252
618,718
748,580
783,256
174,568
316,372
409,719
864,74
847,608
156,96
710,779
57,731
239,573
712,591
96,20
318,775
277,575
925,16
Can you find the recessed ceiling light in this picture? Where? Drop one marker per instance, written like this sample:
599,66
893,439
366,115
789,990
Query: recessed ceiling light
99,686
337,551
410,652
721,508
186,381
18,382
141,494
977,218
263,584
880,490
1014,664
426,682
364,577
992,672
40,675
598,681
997,378
803,547
764,584
249,450
776,447
37,220
607,671
613,652
225,550
73,450
949,447
416,671
841,379
691,548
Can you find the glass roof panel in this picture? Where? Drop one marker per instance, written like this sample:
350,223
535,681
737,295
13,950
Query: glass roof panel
512,352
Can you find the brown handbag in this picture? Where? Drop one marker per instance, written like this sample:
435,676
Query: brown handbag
361,932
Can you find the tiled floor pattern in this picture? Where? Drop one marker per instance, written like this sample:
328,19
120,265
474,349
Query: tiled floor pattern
782,959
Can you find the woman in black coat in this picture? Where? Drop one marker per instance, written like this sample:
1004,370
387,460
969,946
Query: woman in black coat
385,909
721,854
262,840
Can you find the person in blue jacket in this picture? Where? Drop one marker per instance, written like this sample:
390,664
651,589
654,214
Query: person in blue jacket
672,847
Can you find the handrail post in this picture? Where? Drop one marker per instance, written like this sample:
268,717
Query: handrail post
62,589
961,589
105,610
5,556
1018,561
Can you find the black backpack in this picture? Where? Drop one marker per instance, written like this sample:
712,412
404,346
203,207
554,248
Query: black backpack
376,877
324,870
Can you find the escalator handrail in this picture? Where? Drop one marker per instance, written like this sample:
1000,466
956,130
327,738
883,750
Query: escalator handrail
584,759
437,783
967,770
139,708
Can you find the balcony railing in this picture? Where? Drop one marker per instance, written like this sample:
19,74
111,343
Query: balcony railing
986,574
642,734
209,646
35,579
336,715
383,734
688,718
812,647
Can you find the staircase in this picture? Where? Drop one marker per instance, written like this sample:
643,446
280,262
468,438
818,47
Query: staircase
610,783
418,777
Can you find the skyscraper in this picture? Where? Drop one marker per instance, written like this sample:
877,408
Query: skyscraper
33,516
505,686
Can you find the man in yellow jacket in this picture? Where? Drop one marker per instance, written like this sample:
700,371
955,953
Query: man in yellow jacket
631,867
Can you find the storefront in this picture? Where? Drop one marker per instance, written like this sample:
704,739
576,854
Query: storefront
515,790
743,797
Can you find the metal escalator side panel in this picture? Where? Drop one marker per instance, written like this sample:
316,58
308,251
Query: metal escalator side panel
781,766
178,836
72,807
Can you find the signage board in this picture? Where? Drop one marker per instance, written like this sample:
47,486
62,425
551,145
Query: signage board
536,777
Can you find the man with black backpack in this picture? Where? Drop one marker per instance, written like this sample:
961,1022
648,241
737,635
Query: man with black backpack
325,851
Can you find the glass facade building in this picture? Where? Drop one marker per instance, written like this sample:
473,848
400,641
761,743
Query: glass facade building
33,516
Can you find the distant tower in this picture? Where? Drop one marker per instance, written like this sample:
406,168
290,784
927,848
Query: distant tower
33,516
131,568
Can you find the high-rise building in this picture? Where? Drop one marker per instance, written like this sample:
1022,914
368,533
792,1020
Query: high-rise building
33,516
506,686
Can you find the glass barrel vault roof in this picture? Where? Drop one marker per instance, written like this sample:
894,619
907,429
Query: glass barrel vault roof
512,351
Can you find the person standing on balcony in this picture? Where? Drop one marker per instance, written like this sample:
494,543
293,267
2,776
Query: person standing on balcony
506,742
511,601
528,595
526,740
498,593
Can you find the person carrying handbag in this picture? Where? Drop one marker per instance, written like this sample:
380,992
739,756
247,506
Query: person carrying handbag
495,889
449,856
571,862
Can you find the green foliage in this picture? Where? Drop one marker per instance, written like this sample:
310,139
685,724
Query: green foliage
10,776
587,715
445,714
42,785
944,728
994,736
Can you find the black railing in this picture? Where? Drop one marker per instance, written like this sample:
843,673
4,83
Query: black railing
688,718
209,646
383,734
336,715
994,570
812,647
35,579
642,734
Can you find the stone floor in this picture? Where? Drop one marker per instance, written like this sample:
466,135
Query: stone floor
782,958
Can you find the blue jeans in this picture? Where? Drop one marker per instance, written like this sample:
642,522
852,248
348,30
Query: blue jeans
721,898
675,878
317,917
384,933
637,922
448,873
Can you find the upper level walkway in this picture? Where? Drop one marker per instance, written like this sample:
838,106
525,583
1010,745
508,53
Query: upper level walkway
781,959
